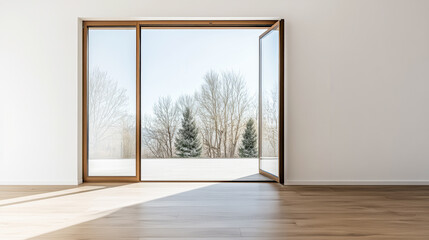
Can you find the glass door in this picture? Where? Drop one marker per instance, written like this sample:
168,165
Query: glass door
271,101
116,136
110,93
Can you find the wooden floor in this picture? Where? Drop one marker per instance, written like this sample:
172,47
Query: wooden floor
213,211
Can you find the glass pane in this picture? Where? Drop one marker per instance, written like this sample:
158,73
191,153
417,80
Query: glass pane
269,68
214,74
111,101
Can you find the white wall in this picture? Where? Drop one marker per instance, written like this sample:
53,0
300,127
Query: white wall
357,83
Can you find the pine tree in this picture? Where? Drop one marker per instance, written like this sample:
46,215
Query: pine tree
248,143
187,142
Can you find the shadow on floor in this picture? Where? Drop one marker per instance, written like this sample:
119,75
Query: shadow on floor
219,210
264,211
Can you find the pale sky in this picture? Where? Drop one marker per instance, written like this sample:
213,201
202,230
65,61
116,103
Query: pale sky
174,61
114,51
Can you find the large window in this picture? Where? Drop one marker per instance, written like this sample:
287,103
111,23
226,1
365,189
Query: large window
111,101
199,89
183,100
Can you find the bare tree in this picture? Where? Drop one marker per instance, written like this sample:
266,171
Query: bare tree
152,144
223,105
186,101
106,106
209,113
128,136
270,119
237,109
159,131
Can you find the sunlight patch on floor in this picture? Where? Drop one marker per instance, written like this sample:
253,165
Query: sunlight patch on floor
31,216
40,196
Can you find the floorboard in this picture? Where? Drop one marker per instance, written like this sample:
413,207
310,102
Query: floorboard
213,211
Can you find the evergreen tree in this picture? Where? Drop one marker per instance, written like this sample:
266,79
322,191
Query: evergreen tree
248,147
187,142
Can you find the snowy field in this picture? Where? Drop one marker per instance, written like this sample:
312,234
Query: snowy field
170,169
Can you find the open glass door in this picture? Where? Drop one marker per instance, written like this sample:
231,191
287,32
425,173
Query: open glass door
271,102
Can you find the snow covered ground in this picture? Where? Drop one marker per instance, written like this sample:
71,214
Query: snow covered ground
183,168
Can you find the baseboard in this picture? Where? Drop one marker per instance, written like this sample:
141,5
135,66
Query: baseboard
74,183
356,182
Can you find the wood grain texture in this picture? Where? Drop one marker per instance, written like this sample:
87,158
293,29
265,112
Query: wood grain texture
213,211
85,133
185,23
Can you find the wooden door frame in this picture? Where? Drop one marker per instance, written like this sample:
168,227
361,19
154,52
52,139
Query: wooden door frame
281,153
158,24
86,178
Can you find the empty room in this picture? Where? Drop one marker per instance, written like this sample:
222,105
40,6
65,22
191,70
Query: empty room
203,119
